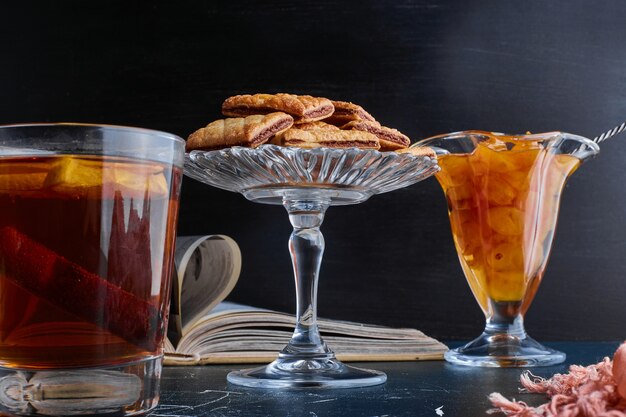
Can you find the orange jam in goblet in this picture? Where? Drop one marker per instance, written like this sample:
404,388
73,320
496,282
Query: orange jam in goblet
503,194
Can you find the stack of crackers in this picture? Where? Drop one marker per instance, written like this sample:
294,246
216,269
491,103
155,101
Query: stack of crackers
296,120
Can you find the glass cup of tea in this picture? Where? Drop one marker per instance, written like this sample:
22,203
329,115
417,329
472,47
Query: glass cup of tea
86,255
503,194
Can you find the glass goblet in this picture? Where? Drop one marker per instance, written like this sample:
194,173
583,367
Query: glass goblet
306,182
503,195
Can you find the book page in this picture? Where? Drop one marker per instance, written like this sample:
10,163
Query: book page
229,307
207,272
261,342
217,315
233,332
228,314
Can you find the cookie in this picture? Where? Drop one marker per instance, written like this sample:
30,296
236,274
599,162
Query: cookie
418,151
250,131
319,125
327,139
302,108
390,139
346,112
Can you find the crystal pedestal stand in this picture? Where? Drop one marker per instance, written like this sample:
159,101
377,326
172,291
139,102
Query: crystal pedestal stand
306,361
306,182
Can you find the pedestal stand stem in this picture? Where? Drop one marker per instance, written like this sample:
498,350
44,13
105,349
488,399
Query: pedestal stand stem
306,246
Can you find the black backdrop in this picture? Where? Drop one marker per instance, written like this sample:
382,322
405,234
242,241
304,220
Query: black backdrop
424,67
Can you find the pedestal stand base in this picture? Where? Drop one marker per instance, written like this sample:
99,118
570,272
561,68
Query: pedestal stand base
306,373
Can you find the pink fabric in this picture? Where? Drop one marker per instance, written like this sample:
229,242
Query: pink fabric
594,391
619,369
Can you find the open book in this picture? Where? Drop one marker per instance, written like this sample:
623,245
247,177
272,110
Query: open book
208,330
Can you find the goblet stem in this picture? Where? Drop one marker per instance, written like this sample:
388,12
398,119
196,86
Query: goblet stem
506,319
306,246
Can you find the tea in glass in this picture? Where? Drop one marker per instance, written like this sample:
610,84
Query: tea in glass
87,231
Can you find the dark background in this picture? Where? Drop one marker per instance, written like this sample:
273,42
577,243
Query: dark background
424,67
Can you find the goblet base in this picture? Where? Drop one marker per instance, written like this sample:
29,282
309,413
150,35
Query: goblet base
504,351
293,372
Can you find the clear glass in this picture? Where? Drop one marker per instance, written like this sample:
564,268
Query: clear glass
306,182
87,237
503,195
